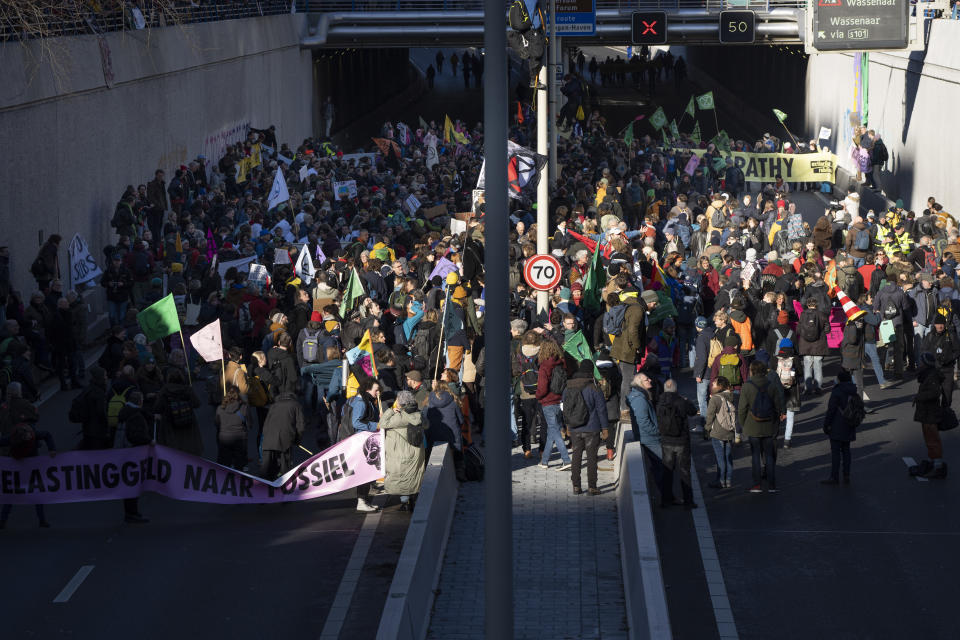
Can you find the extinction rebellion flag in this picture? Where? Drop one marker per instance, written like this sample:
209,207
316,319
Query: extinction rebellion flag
523,171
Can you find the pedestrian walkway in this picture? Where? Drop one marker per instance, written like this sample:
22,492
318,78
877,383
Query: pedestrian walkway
567,580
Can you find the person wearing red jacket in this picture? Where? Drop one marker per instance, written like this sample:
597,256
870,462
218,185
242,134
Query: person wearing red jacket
549,358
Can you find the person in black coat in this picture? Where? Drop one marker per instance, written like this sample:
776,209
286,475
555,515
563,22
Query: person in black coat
280,371
929,413
231,423
282,430
942,342
840,431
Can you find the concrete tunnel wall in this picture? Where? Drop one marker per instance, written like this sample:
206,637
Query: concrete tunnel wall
117,111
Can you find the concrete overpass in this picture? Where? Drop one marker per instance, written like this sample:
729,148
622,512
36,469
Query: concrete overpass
437,23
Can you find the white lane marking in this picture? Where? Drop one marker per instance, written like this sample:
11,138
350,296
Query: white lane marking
74,584
722,611
351,576
910,462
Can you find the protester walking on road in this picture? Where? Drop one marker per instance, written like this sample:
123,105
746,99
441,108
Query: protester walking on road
844,413
137,427
89,409
176,404
361,414
549,397
24,442
760,411
231,422
585,416
721,423
929,413
403,427
282,431
673,412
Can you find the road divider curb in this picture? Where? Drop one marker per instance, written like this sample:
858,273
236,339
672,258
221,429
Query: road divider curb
406,614
644,593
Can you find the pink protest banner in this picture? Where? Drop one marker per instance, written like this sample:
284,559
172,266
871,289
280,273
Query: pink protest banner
112,474
837,322
692,164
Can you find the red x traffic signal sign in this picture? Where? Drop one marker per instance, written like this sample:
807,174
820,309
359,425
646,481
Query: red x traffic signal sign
649,27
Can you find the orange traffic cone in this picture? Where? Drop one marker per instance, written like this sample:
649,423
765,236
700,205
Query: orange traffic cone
853,311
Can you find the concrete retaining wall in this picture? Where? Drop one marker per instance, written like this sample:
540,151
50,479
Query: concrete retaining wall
909,102
114,110
406,615
646,598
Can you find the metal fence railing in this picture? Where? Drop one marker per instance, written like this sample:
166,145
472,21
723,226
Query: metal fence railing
66,18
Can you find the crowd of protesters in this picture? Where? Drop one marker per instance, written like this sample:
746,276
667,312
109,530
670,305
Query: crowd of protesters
668,279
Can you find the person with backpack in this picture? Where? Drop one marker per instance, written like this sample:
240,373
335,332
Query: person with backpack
787,366
24,442
136,426
673,411
720,426
175,404
585,416
551,382
858,243
525,372
812,332
759,413
727,362
891,303
845,412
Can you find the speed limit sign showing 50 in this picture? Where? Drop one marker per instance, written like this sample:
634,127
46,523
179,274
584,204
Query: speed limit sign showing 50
542,272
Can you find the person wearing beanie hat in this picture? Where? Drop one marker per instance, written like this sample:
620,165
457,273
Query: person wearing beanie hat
930,414
943,343
403,451
701,352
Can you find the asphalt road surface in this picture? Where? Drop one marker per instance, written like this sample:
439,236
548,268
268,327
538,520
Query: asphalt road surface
200,570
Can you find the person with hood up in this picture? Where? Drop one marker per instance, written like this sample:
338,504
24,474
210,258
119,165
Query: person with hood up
585,436
137,430
839,428
445,422
403,428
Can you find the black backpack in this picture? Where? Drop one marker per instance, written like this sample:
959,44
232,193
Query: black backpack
575,412
810,326
473,463
180,413
558,380
670,422
529,373
763,409
854,411
880,154
420,344
519,17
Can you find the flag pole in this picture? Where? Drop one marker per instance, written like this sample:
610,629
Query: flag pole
183,342
796,145
223,376
305,449
373,365
446,301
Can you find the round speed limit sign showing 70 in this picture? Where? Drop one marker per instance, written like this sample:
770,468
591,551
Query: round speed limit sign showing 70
542,272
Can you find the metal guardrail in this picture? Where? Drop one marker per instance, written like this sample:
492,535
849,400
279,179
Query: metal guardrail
82,19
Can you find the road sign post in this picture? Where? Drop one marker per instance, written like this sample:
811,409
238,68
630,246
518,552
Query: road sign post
542,272
737,27
576,17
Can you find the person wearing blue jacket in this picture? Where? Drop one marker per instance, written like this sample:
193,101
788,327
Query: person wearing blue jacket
364,416
587,435
643,422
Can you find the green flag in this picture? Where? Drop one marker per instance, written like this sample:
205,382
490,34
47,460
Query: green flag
666,143
159,319
724,140
781,116
705,101
695,136
719,163
690,108
423,124
658,119
576,345
353,292
628,136
593,282
674,129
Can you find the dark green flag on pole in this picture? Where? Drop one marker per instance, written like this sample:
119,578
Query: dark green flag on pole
593,282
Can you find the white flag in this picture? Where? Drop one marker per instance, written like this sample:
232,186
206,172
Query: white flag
208,343
278,193
304,267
